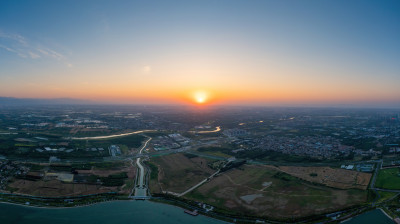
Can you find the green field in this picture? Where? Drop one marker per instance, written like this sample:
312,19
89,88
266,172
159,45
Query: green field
385,195
216,153
388,179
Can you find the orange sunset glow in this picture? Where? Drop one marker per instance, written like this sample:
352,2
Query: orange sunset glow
122,56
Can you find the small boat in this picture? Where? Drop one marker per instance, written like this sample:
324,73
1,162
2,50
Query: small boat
194,213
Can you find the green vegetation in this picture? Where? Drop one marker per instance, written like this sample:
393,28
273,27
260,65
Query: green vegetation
114,179
234,164
262,155
388,179
133,141
107,165
36,167
216,151
360,143
129,184
217,154
82,166
190,156
154,170
284,176
60,168
97,165
60,201
385,195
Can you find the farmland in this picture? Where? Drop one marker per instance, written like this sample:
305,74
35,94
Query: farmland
74,180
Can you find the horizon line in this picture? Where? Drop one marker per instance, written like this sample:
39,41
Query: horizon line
80,101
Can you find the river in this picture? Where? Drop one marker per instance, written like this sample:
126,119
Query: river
123,212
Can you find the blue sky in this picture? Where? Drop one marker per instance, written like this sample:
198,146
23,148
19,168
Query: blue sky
289,51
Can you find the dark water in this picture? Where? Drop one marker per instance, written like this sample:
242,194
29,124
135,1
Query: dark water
127,212
375,216
110,212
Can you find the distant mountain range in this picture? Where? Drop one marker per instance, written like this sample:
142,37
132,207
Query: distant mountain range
11,101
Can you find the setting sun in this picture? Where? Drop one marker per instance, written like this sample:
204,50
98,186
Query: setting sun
200,97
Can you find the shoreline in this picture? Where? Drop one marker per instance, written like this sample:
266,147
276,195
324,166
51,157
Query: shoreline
97,203
60,207
383,211
183,208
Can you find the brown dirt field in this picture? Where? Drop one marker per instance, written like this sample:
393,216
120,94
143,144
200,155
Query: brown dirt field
282,199
131,171
337,178
177,173
54,188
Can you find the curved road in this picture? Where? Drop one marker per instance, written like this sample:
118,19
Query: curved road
217,129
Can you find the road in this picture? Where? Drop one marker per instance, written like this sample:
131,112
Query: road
217,129
141,189
198,185
372,186
378,166
109,136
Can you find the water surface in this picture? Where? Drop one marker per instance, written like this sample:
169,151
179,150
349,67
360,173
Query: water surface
375,216
109,212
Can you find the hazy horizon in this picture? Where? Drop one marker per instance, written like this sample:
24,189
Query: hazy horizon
77,101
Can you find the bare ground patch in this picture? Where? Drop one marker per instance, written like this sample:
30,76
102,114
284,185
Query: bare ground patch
243,191
178,173
56,188
337,178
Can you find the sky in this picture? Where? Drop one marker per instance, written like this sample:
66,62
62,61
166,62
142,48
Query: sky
286,52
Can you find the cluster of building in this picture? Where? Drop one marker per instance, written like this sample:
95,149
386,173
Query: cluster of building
114,150
394,150
164,143
179,138
8,170
236,132
312,146
369,152
363,167
347,167
49,149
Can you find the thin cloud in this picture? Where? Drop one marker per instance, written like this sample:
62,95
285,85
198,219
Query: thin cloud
51,53
15,37
12,50
20,46
33,55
